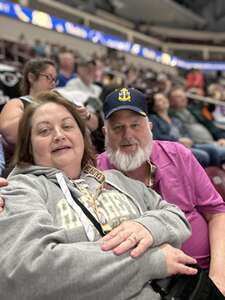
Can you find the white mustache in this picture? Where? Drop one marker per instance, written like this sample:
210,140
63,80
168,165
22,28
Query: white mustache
128,143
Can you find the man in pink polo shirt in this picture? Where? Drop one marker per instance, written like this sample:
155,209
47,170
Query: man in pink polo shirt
171,170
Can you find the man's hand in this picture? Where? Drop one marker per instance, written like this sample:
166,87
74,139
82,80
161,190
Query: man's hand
186,142
3,182
221,142
129,235
176,261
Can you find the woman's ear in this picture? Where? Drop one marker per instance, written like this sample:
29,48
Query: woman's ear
30,77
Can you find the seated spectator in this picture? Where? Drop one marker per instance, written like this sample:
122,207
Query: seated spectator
62,206
9,84
195,79
84,82
217,92
39,48
209,114
39,75
87,107
198,132
169,128
205,114
86,75
89,73
171,170
66,68
164,83
132,76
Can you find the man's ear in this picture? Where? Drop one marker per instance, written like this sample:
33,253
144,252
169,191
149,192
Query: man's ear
104,130
150,125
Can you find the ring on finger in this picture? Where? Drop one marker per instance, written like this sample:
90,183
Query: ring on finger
133,238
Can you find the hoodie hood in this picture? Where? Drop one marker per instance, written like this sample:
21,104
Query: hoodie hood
48,172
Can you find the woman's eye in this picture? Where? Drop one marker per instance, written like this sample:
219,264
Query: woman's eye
68,126
44,131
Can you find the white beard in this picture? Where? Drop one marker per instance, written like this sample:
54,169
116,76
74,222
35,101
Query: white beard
128,162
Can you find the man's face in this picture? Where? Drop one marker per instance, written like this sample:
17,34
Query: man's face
87,73
178,99
129,138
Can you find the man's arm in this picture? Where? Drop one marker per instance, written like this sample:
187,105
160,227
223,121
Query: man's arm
210,204
216,223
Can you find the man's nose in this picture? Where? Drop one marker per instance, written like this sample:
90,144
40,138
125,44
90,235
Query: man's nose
127,132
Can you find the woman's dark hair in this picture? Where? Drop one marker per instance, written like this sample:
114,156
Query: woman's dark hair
151,102
34,66
23,152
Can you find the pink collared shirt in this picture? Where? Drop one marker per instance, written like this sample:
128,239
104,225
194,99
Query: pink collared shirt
181,180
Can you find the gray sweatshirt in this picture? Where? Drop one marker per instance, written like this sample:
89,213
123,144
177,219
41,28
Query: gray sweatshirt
45,253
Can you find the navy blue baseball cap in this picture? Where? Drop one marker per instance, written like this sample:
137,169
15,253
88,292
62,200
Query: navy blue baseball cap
125,98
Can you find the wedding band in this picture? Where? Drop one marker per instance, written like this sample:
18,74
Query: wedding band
133,237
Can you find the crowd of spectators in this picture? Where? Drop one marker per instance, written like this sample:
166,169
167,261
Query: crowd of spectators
85,80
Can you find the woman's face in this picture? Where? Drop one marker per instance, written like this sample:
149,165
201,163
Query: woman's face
56,139
46,80
161,103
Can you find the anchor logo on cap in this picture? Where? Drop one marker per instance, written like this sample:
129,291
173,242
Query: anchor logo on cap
124,95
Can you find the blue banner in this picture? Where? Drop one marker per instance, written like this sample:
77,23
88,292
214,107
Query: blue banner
49,22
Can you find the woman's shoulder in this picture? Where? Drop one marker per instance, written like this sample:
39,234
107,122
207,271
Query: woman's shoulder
23,179
13,104
14,100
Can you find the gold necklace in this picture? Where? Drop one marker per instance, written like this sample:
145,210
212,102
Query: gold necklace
93,197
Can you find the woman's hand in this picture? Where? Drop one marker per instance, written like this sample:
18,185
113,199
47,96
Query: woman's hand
89,117
3,182
129,235
83,112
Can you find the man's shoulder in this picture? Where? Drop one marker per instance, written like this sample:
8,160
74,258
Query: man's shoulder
165,152
73,81
168,146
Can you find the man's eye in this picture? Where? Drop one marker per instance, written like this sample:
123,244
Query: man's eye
117,128
135,125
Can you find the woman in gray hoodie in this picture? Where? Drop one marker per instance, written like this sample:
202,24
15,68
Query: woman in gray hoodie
58,207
